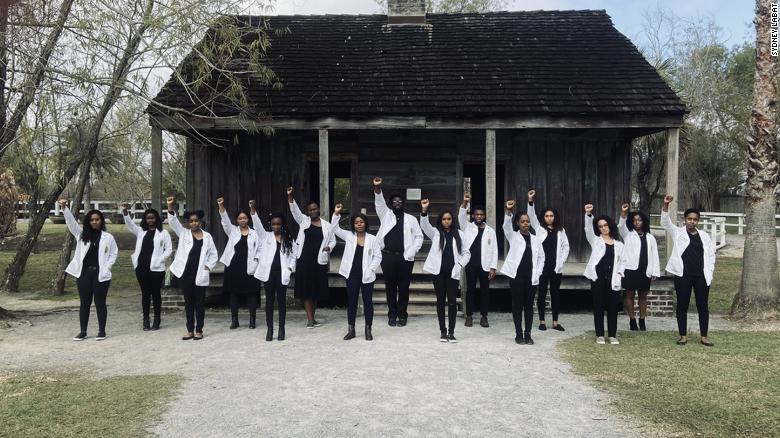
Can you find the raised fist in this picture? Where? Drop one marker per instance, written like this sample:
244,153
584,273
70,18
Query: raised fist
289,191
510,204
377,181
170,200
668,199
425,203
467,197
531,195
337,209
624,208
124,206
63,203
588,208
252,204
220,201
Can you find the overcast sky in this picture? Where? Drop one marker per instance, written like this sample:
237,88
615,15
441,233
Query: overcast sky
733,16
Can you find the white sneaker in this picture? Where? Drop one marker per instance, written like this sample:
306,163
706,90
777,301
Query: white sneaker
614,341
600,340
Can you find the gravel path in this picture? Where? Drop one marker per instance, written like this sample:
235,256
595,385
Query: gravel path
404,383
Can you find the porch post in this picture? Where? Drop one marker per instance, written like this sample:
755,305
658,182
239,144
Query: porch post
156,168
672,169
324,175
490,176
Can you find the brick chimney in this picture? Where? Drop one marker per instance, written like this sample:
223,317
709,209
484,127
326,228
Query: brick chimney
405,11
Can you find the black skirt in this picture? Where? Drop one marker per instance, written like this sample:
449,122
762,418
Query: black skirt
636,280
237,281
311,278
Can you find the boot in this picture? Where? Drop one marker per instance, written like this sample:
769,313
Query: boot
469,321
156,323
280,337
632,325
146,326
350,333
484,321
234,322
252,320
269,334
369,336
642,326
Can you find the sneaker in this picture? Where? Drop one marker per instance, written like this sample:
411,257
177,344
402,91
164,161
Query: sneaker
600,340
391,322
316,323
483,321
401,322
310,324
542,326
528,340
101,336
632,325
614,341
559,328
444,338
80,337
451,338
469,321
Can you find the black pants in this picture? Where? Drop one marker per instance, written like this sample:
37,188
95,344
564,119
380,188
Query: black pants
89,288
522,303
604,298
398,275
446,291
475,273
150,283
554,281
275,289
194,304
251,303
355,285
683,286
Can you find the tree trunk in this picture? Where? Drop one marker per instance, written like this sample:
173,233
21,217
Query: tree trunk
759,292
118,77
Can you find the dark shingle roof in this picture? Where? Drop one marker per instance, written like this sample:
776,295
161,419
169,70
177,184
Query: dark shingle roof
504,64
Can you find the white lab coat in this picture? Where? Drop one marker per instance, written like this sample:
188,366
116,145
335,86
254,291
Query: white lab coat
162,245
305,222
107,250
681,241
234,235
489,245
413,236
517,249
372,254
561,245
208,253
631,249
433,261
267,251
598,248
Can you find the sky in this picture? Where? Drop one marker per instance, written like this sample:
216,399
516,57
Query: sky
733,16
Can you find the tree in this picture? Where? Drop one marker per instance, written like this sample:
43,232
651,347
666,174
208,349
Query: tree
456,6
759,292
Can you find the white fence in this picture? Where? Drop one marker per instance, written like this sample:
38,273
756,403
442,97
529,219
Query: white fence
712,222
135,209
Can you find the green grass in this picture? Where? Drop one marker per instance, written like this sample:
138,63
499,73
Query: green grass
725,284
70,406
729,390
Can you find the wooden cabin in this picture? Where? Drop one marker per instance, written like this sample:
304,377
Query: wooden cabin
549,100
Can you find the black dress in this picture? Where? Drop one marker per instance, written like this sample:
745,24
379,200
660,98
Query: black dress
637,280
237,281
311,278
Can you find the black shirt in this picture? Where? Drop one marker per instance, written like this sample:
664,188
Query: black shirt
447,258
642,267
91,259
357,263
147,247
394,239
191,268
476,248
276,265
550,246
525,268
693,257
605,265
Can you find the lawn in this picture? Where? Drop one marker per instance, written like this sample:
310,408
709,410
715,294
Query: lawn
73,406
729,390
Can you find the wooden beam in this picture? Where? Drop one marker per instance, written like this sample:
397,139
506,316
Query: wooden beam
672,169
490,176
156,140
421,122
324,161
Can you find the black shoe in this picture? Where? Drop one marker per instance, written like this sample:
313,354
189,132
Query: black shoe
350,333
391,323
310,324
542,327
269,334
559,328
316,323
519,340
444,337
101,336
483,321
632,325
156,323
234,323
469,322
252,321
528,340
642,326
401,322
280,336
80,337
451,338
146,326
369,336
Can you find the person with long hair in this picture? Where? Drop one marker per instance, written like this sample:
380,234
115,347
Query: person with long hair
693,264
640,262
277,262
196,256
447,256
311,275
483,246
359,263
152,246
95,255
240,259
602,271
523,265
400,238
556,250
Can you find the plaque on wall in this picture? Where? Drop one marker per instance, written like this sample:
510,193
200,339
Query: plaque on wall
413,194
